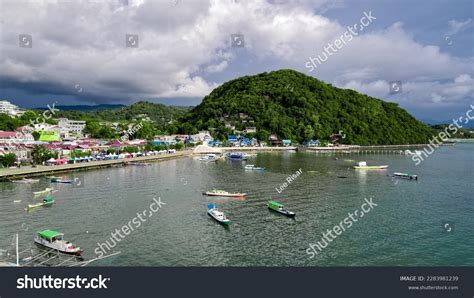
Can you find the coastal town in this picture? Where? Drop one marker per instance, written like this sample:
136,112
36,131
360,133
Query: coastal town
43,143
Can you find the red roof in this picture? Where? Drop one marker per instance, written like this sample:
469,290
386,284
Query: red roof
7,134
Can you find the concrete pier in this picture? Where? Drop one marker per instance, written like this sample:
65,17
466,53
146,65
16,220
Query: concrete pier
18,173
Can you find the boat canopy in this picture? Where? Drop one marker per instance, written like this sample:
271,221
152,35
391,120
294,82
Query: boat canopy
49,234
211,206
362,164
275,204
48,200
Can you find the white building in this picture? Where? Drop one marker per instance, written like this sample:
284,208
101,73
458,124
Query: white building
7,107
71,128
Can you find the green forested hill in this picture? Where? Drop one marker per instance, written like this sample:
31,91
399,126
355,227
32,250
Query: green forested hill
299,107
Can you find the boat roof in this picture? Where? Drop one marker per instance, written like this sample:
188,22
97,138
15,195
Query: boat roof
49,234
275,203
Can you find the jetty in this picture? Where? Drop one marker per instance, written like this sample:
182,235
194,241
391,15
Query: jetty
18,173
357,149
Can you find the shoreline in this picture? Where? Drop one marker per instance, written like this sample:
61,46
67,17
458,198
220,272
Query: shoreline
18,173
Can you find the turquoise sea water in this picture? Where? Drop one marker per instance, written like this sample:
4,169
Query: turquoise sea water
405,229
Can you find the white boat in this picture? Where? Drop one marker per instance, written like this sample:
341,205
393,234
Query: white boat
223,193
25,180
209,158
54,240
43,192
253,167
362,165
217,215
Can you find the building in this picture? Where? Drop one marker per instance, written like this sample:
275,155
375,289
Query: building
250,130
7,107
70,129
274,140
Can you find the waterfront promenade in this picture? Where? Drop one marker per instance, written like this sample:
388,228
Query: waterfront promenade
17,173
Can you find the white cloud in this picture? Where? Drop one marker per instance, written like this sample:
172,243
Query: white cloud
458,26
183,42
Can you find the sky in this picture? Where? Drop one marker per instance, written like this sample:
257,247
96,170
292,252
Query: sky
418,54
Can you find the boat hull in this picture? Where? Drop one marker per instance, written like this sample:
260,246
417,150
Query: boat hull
33,206
50,246
240,195
224,222
286,212
370,167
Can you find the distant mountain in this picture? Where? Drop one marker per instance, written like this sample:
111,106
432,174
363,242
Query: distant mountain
299,107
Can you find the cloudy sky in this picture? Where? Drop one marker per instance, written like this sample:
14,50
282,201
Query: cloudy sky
76,52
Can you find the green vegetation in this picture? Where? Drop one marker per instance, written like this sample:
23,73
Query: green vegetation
462,133
8,160
154,118
299,107
40,154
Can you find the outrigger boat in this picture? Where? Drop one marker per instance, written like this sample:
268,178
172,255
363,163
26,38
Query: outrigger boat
253,167
278,207
25,180
209,158
59,180
43,192
217,215
223,193
54,240
362,165
238,156
46,203
406,176
54,178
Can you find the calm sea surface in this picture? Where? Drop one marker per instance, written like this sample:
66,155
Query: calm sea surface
405,229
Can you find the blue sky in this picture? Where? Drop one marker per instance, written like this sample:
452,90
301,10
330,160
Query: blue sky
79,53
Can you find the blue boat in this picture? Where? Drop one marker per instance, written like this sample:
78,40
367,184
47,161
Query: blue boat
238,156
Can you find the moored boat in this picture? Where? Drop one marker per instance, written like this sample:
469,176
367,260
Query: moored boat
362,165
54,240
209,158
54,178
280,208
219,216
59,180
46,203
253,167
406,176
223,193
238,156
43,192
26,180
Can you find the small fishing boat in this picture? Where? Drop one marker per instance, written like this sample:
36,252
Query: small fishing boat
238,156
253,167
54,240
54,178
25,180
209,158
406,176
362,165
59,180
43,192
46,203
223,193
217,215
278,207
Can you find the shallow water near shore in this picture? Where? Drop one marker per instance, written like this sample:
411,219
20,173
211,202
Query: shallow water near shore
404,229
